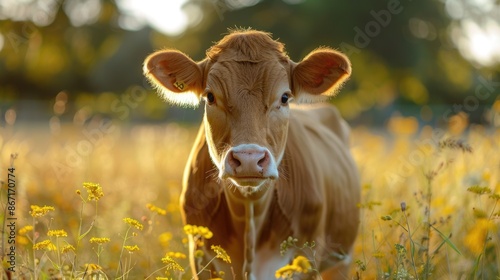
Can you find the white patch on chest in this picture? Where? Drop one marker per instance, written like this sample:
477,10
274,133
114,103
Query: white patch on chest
268,260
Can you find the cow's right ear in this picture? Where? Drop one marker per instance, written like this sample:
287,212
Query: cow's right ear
320,74
176,76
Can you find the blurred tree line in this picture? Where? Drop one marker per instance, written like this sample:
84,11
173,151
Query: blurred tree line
403,52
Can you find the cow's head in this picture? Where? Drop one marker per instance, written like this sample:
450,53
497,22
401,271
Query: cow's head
247,82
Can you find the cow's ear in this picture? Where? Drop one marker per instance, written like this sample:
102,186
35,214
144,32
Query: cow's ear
176,76
321,73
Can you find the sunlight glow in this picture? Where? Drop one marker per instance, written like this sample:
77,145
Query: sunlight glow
479,43
476,31
166,16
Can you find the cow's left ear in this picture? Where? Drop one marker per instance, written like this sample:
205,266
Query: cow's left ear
321,73
176,76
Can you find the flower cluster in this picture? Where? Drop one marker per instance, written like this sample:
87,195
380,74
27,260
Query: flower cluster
198,230
68,248
57,233
24,230
94,191
133,223
99,240
221,253
156,209
131,249
289,242
171,264
176,255
37,211
299,265
46,245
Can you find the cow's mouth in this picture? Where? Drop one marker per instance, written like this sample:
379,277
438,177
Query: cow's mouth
248,181
248,186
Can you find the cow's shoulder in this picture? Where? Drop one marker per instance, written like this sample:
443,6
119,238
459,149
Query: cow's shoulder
317,169
323,116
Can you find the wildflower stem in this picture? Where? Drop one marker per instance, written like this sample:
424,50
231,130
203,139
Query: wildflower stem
203,268
428,227
35,277
75,260
154,272
412,245
59,264
121,252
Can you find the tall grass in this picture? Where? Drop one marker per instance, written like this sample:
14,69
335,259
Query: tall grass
429,207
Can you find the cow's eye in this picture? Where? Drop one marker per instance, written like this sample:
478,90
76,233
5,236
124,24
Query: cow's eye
285,98
210,98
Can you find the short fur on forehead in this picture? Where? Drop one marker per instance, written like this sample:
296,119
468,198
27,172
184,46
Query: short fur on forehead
247,46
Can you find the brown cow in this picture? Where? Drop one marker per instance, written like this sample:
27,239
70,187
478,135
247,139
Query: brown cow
262,169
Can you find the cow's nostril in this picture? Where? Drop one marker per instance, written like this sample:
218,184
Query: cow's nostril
263,161
233,161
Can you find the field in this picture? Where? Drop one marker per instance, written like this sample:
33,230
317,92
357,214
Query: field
429,201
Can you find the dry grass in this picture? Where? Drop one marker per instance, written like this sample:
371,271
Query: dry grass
445,231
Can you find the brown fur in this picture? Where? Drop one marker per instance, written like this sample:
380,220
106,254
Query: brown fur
315,197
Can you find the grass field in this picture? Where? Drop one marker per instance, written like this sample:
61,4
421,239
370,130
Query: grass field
429,201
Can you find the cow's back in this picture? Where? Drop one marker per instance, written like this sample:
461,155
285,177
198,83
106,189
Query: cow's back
322,185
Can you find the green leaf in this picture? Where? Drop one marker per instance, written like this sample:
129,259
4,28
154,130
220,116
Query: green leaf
447,240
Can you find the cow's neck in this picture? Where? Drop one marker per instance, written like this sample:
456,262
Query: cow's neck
248,214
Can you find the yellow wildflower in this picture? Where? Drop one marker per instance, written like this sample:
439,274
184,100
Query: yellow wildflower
299,265
479,190
176,255
131,249
22,240
67,248
198,230
378,255
133,223
156,209
57,233
37,211
495,196
171,264
165,238
189,229
221,253
46,245
99,240
476,238
198,253
303,263
92,268
205,232
24,230
286,272
94,190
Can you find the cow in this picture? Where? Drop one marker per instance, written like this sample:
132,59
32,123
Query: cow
270,159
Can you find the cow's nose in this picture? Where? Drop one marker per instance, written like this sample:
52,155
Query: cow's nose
250,162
